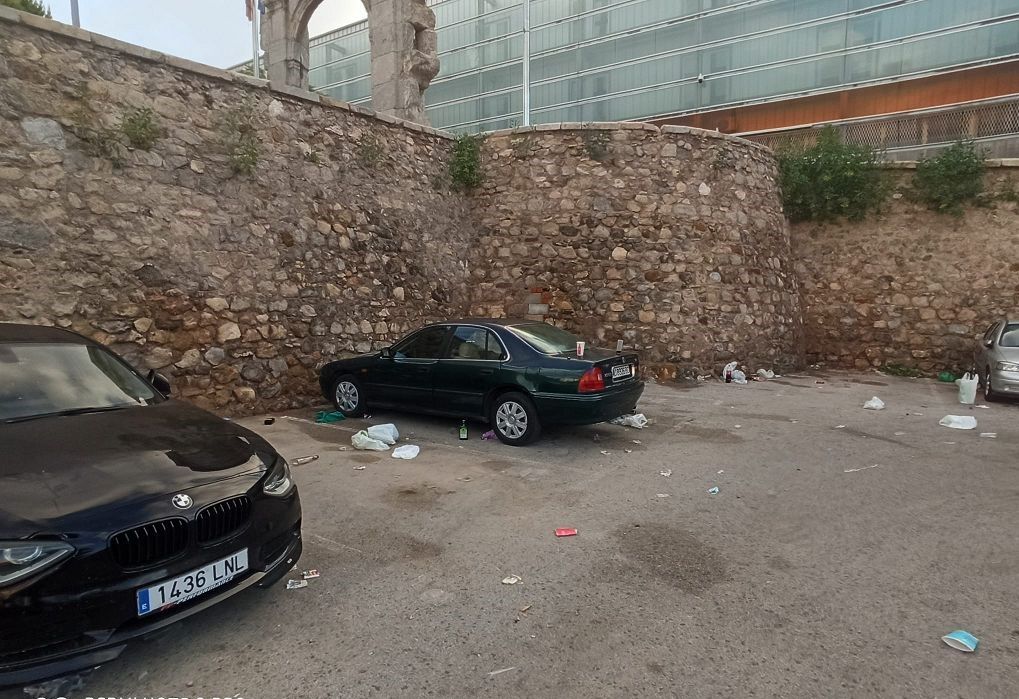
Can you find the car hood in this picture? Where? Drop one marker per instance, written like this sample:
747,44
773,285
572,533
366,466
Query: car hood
57,466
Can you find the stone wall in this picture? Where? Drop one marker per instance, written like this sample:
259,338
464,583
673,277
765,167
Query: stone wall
911,287
237,286
672,240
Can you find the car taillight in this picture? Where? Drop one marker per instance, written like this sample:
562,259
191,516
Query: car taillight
592,380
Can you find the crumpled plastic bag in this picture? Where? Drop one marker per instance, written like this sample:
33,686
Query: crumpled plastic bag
361,440
766,373
739,377
406,451
729,368
874,403
386,434
638,421
959,422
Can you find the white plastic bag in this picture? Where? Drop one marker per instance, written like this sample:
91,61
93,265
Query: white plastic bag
407,451
968,389
638,421
386,434
739,377
361,440
874,403
729,368
959,422
766,373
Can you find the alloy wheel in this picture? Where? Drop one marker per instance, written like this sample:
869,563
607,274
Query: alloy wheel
511,419
346,396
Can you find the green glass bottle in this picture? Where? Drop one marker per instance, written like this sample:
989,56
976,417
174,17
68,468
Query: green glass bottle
463,430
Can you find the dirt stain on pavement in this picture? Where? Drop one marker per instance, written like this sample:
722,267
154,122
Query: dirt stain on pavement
365,458
868,435
762,416
672,555
414,497
708,434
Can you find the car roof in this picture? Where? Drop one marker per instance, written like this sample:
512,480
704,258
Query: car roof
490,322
20,332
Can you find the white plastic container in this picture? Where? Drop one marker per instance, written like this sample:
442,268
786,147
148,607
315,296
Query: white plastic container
968,389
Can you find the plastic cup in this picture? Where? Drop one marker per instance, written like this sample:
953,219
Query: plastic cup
962,640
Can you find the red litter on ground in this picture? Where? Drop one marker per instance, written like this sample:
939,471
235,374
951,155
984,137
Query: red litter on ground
565,531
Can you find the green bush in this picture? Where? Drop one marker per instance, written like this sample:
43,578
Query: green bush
34,7
465,165
140,128
240,137
831,179
952,179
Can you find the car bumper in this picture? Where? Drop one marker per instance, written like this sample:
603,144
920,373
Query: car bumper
17,669
1005,382
556,408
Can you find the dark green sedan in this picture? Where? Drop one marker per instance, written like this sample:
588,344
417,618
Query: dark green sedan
518,376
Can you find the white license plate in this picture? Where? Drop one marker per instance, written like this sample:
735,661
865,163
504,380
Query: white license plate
190,585
622,371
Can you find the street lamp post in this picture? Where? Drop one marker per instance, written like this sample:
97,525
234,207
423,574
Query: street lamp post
75,19
527,63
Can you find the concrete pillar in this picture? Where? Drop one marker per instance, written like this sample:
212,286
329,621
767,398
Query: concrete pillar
403,47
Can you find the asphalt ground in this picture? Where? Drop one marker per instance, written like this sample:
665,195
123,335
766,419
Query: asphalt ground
841,546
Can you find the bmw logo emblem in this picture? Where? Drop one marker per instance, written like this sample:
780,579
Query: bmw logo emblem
182,501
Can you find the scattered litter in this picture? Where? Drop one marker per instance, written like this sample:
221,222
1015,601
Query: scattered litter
982,407
638,421
296,584
713,491
463,432
61,686
360,468
989,435
310,574
900,434
968,389
946,377
628,451
874,403
959,422
493,673
819,383
301,460
840,427
605,453
766,373
512,580
721,472
465,478
663,495
407,451
738,377
727,371
636,441
737,426
524,610
794,421
488,436
962,640
565,531
950,443
387,434
667,472
269,421
325,417
361,440
865,468
596,438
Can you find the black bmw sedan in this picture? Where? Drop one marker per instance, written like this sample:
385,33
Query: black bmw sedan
121,510
516,375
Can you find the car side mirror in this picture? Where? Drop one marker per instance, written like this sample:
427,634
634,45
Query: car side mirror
387,353
159,382
988,343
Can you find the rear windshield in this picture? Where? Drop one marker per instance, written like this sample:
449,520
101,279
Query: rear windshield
39,379
545,338
1010,337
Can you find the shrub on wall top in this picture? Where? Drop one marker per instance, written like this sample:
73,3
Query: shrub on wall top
954,178
830,179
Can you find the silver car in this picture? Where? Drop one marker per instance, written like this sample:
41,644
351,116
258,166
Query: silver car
997,360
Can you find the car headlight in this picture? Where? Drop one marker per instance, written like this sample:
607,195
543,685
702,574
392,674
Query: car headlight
1007,366
21,559
279,482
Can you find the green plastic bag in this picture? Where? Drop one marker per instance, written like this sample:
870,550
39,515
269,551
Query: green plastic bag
326,417
946,377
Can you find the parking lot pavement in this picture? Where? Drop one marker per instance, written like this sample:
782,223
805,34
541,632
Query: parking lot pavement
842,544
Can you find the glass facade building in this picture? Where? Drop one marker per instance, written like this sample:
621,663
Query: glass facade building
616,60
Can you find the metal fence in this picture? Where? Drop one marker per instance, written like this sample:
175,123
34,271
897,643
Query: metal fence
994,124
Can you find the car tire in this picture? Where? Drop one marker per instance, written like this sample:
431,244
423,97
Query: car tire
989,394
514,419
348,396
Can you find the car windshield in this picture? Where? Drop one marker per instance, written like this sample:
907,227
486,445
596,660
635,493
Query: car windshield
1010,337
545,338
40,379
